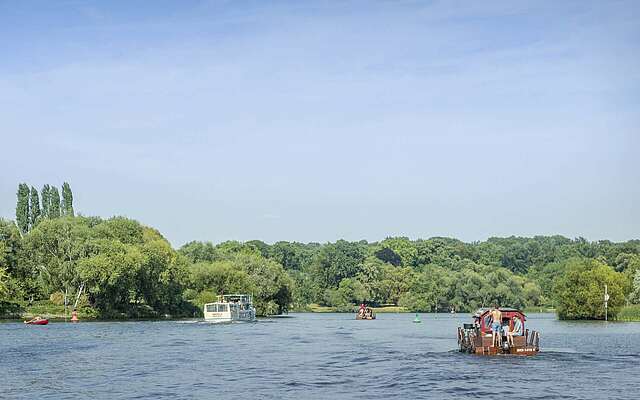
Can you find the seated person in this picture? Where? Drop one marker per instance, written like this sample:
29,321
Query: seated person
516,331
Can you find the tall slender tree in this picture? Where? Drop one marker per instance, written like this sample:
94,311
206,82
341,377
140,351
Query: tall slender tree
67,200
22,208
34,207
46,200
54,202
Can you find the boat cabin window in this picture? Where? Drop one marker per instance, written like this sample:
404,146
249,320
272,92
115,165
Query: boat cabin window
487,320
217,308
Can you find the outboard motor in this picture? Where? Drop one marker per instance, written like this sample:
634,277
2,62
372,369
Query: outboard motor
465,337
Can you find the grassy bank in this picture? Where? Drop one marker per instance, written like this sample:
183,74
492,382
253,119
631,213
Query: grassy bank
533,310
46,309
316,308
629,313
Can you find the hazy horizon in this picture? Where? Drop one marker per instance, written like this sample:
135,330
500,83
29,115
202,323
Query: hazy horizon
215,120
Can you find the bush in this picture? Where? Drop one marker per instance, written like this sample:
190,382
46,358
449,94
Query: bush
57,298
417,302
580,290
629,313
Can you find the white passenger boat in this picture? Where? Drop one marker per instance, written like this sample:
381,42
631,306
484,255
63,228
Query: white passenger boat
230,308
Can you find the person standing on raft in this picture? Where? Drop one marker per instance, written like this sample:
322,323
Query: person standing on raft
496,326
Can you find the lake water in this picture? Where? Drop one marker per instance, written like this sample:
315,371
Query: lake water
313,356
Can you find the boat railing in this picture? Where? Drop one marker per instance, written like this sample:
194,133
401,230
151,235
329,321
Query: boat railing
532,338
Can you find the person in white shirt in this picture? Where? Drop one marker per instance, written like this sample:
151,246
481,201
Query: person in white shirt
516,331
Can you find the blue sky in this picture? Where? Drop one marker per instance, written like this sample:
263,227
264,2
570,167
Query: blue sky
314,121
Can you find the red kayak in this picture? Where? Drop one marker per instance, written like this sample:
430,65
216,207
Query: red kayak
38,322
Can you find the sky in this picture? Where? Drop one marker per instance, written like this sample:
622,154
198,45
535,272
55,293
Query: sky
316,121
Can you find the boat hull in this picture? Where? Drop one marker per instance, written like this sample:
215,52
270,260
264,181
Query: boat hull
41,322
472,342
514,351
228,320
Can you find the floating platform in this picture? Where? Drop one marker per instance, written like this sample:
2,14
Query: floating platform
476,338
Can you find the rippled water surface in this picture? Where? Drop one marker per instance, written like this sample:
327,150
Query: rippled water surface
311,356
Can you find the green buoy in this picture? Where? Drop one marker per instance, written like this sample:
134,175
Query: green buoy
417,319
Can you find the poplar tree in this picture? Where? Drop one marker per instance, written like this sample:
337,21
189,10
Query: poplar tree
67,200
46,200
54,202
34,207
22,208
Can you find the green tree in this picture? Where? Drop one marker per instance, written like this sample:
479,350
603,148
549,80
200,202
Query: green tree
23,282
306,289
110,275
532,294
219,277
349,292
273,286
395,282
199,252
387,255
292,256
164,277
122,229
67,200
34,208
627,263
54,202
54,248
4,284
634,297
426,291
22,208
370,276
336,261
10,246
132,270
545,277
400,247
46,200
580,290
468,291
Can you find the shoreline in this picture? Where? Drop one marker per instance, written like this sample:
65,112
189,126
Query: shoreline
57,317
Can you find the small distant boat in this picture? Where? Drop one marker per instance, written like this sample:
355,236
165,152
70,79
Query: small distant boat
230,308
37,322
366,314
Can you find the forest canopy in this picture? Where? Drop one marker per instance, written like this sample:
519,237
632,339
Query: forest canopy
118,267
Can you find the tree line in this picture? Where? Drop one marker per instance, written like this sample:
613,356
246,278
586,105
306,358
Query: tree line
32,207
442,274
118,267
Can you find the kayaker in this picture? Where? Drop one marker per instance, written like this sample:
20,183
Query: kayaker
34,319
74,316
